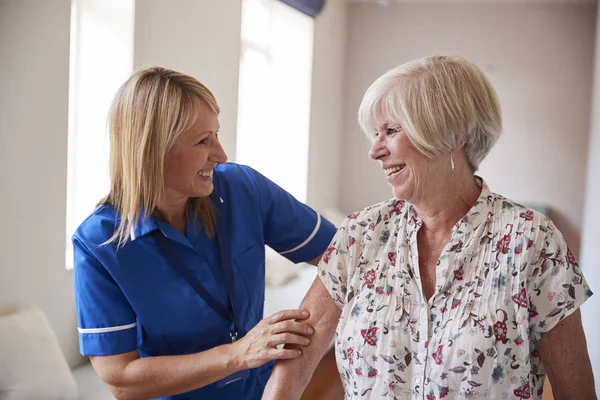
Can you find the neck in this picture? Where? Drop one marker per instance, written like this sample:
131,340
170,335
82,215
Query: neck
453,198
173,211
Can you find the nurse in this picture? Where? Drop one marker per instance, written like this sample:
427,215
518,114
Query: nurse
169,268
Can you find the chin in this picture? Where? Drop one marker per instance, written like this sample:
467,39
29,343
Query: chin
400,194
204,192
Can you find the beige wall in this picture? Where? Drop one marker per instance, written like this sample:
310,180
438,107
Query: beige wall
590,243
326,113
34,61
200,38
538,56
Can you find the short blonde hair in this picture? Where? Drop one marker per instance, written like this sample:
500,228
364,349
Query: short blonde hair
149,111
441,103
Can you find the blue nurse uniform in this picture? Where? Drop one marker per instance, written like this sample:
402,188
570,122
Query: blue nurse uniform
166,293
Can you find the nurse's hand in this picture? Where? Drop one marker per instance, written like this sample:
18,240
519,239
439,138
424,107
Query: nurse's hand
260,345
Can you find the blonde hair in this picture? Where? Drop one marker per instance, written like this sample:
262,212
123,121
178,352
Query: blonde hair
148,112
440,102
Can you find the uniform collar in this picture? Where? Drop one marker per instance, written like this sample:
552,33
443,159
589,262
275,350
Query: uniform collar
144,225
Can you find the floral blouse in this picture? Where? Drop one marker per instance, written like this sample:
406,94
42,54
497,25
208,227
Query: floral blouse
505,278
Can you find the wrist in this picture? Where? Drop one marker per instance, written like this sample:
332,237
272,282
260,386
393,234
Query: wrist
235,359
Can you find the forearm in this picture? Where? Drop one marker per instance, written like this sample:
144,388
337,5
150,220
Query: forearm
290,377
151,377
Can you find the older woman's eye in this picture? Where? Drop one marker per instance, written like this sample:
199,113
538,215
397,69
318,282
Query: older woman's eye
391,131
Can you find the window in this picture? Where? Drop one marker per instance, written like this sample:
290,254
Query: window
101,60
274,93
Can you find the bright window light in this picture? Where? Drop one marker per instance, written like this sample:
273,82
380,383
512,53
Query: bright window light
274,93
101,59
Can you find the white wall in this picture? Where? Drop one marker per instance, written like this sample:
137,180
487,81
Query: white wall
590,246
200,38
34,78
538,56
326,114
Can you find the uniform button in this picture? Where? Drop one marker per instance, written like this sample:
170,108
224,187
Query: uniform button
422,343
418,381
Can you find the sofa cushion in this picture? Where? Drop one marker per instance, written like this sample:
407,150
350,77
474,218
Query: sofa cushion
32,365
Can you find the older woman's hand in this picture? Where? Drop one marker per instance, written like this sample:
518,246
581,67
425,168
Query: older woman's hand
262,343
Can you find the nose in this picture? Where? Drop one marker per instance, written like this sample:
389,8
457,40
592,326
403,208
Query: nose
378,149
219,155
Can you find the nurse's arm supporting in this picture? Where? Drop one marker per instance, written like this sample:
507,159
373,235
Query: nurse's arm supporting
130,377
290,377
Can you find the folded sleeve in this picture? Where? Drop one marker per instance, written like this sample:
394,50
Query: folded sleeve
555,284
291,228
106,321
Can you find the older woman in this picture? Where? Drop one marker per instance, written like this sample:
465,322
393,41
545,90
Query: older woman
448,290
169,268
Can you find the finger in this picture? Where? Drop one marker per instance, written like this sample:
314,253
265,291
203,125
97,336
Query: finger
300,328
284,354
288,314
288,338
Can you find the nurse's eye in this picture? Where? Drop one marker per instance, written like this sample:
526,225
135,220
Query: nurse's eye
203,141
392,131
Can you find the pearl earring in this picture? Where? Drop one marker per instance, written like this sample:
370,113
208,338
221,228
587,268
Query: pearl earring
452,160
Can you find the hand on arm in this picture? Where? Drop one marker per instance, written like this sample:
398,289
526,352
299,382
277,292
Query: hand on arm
130,377
290,377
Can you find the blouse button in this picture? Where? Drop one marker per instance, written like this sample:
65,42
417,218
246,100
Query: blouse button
418,381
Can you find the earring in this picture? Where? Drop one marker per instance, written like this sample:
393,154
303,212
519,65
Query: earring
452,160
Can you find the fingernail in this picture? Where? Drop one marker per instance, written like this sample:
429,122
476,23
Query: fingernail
299,352
305,313
306,340
310,330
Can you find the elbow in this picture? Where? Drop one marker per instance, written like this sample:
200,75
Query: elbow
121,390
123,393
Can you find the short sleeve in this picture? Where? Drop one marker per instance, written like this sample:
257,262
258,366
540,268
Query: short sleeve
340,258
556,287
106,322
291,228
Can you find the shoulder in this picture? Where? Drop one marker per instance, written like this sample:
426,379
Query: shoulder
523,220
371,214
237,179
98,227
376,219
238,173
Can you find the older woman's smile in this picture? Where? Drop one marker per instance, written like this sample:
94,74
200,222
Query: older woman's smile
393,169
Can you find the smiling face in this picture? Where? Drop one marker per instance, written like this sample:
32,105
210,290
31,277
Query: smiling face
190,162
411,174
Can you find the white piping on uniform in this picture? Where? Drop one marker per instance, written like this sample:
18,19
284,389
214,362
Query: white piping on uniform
132,233
312,235
106,330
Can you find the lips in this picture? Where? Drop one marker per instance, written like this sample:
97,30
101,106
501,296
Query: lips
393,169
206,174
